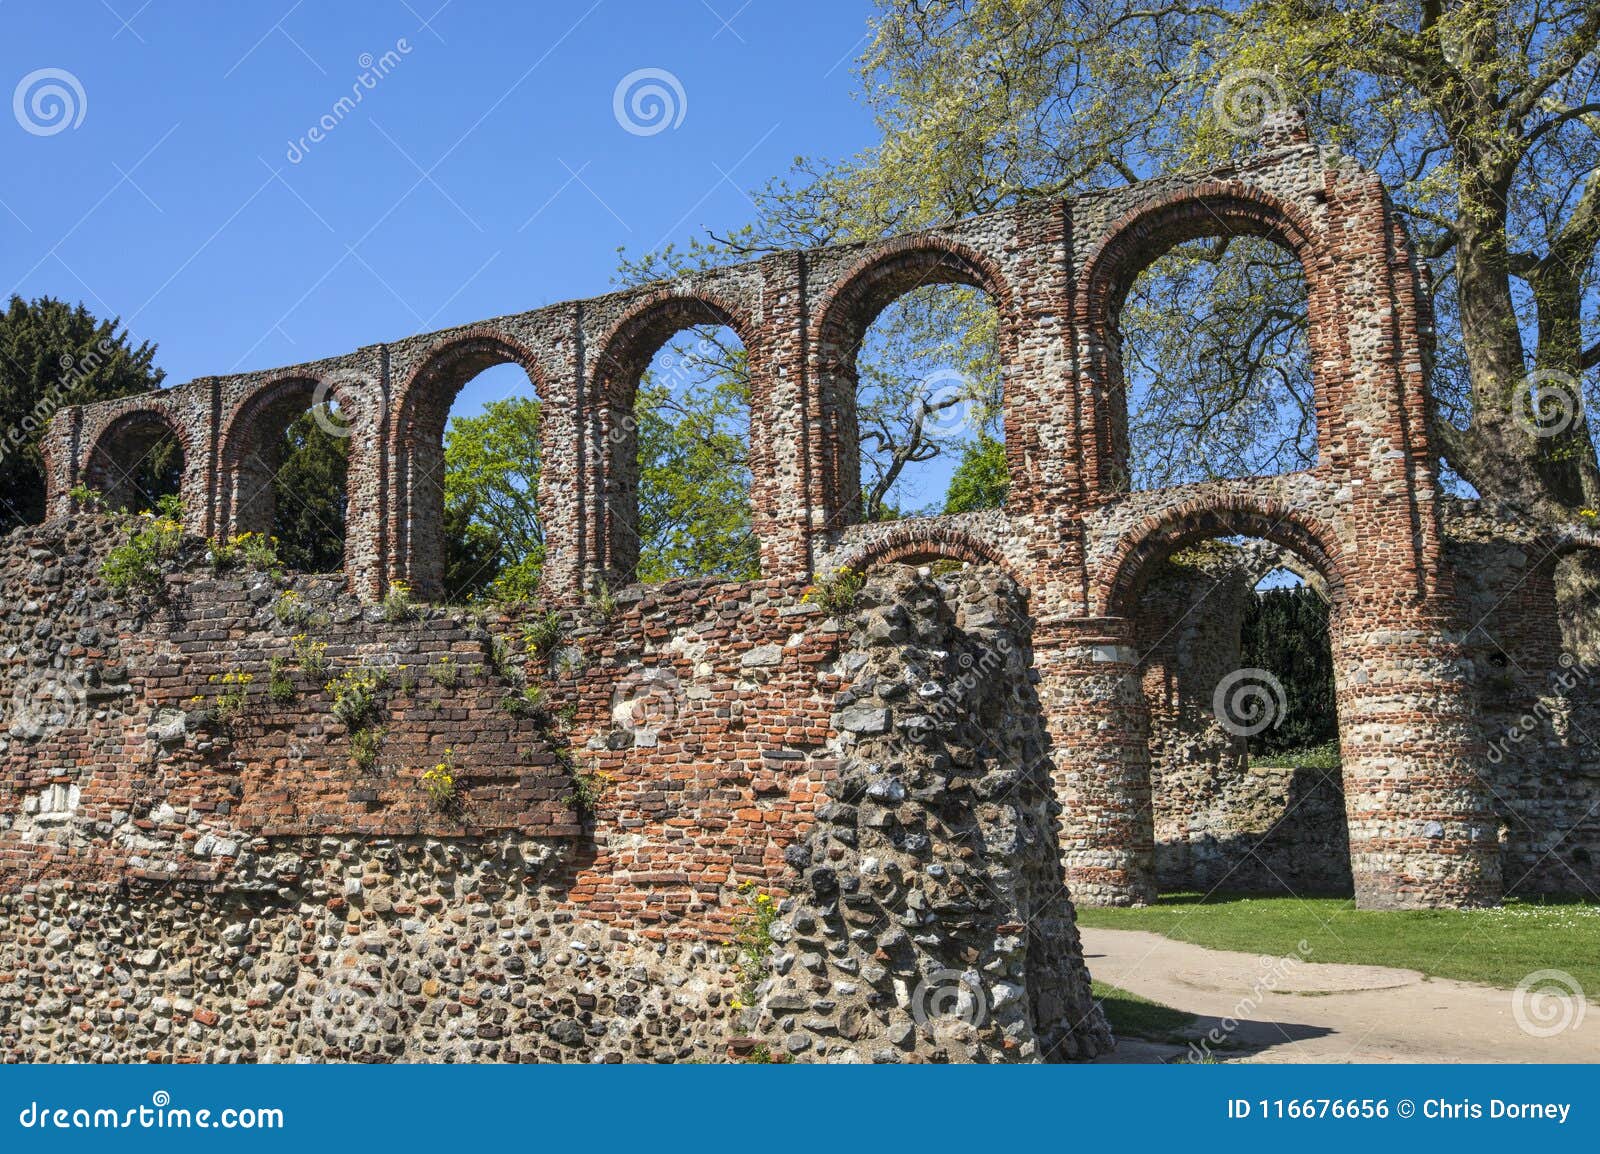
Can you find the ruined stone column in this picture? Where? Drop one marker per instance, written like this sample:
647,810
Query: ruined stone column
928,921
1423,832
1100,726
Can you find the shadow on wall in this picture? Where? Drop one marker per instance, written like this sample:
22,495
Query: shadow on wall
1269,831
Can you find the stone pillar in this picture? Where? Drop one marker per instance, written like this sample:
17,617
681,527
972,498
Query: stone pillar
1423,832
1100,729
566,474
779,430
365,403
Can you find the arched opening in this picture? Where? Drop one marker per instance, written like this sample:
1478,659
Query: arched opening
1203,342
471,447
1236,663
138,460
286,460
677,381
910,351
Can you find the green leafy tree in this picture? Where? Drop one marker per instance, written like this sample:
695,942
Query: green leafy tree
694,482
1285,632
694,466
54,354
1482,116
980,480
492,501
309,494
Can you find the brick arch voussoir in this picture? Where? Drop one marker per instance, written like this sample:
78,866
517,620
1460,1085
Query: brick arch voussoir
1121,577
450,363
190,440
839,310
243,424
914,544
1154,226
650,322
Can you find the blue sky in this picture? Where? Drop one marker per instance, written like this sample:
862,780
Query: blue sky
484,173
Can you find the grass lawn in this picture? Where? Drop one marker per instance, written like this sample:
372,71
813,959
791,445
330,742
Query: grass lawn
1134,1017
1498,947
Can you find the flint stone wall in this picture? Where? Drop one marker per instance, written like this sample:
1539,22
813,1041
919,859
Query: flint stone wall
176,888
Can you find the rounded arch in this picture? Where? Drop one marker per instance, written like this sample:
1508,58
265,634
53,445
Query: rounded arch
252,442
914,542
1134,242
123,444
416,447
848,310
625,354
1121,578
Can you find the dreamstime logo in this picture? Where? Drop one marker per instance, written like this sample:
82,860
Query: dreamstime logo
1248,701
46,703
1243,100
48,101
328,397
349,1000
950,994
948,408
1547,1003
648,101
647,701
1546,402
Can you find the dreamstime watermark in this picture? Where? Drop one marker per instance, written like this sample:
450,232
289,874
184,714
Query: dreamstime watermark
947,404
74,371
373,69
1243,100
159,1114
1547,1003
49,100
1546,402
955,995
647,701
649,100
46,703
349,1001
1573,672
1274,971
1249,701
942,702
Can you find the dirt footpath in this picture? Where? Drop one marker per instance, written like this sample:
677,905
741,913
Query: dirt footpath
1289,1010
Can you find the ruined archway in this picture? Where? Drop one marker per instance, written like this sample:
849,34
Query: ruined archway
845,315
256,447
141,456
625,356
1136,242
422,412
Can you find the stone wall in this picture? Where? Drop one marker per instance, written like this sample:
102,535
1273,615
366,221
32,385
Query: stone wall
183,886
1221,822
1421,816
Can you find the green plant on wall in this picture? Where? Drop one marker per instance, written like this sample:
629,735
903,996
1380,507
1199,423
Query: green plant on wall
836,593
357,694
231,699
364,747
543,634
587,789
246,551
439,783
156,537
446,672
312,655
280,686
751,942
